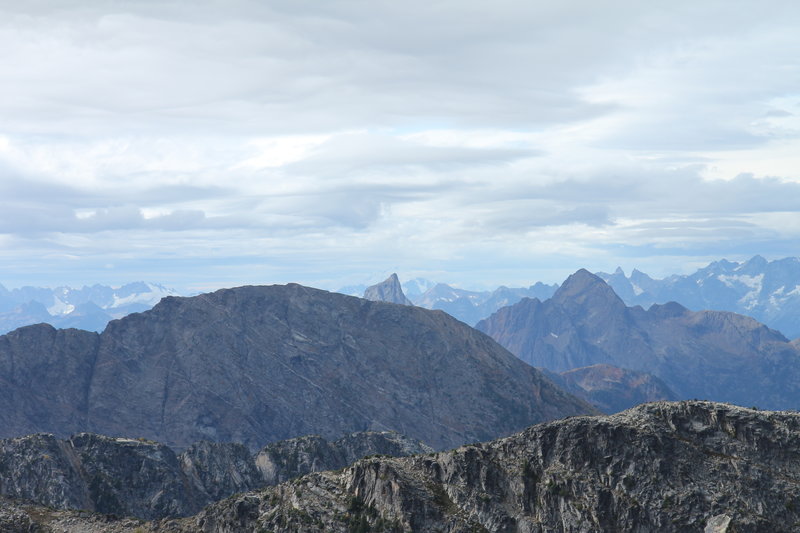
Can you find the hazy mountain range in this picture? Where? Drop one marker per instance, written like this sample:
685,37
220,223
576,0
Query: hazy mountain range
89,308
768,291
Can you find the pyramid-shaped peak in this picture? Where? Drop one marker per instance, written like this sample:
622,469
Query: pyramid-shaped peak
584,287
389,290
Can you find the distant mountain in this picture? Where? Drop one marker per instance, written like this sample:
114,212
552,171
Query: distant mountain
145,479
388,290
713,355
259,364
89,308
472,306
417,286
610,388
667,467
768,291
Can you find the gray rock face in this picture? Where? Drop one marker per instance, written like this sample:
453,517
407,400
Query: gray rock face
135,477
261,364
388,290
672,467
45,377
713,355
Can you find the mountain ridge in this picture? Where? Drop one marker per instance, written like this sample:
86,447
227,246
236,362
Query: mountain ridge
326,363
715,355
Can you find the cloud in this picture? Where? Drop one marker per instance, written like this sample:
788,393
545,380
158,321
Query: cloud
281,141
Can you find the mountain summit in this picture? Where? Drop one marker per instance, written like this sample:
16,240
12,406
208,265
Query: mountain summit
389,290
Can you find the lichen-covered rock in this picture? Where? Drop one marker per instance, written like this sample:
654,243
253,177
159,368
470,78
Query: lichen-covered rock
673,467
145,479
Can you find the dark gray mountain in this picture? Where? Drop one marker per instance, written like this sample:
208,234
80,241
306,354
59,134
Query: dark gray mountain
260,364
768,291
388,290
689,467
145,479
713,355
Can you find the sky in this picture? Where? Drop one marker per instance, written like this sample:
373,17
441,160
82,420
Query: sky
220,143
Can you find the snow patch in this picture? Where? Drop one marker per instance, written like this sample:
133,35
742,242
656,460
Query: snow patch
60,307
754,283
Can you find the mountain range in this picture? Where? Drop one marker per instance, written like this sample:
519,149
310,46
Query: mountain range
89,308
258,364
768,291
716,355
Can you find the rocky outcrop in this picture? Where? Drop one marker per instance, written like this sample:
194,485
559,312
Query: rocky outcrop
144,479
712,355
389,290
292,458
679,467
261,364
670,467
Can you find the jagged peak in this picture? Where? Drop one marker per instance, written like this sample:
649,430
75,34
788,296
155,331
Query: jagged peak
389,290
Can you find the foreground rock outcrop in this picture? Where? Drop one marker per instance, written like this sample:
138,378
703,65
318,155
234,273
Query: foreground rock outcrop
145,479
261,364
671,467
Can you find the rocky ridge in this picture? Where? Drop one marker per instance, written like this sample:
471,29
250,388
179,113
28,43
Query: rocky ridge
672,467
145,479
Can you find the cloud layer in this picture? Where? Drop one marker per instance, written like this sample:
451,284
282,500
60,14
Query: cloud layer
254,142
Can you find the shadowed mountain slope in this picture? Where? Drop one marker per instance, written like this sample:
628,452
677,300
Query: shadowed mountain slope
714,355
260,364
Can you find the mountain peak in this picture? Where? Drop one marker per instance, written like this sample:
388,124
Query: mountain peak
583,287
389,290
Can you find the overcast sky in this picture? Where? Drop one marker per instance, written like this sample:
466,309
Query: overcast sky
220,143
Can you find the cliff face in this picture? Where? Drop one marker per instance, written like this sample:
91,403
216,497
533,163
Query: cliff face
130,477
682,467
712,355
261,364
